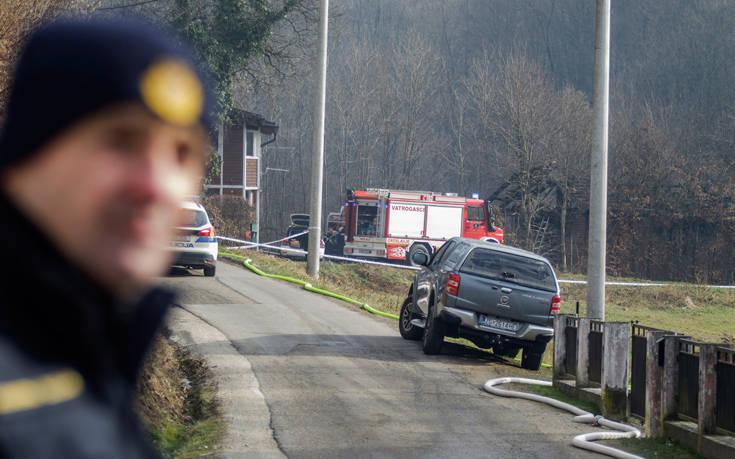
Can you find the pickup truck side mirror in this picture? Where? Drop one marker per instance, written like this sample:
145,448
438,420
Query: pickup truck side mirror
420,258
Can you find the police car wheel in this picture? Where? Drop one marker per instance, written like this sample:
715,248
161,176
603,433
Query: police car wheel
209,271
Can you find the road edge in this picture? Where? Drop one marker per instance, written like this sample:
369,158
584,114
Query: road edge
244,408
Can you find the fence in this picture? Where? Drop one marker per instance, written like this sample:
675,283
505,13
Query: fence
688,382
639,346
691,380
595,353
570,335
726,390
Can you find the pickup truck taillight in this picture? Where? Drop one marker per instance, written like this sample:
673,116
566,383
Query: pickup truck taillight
453,284
209,232
555,305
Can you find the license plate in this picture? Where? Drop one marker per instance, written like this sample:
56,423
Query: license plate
363,250
180,238
499,323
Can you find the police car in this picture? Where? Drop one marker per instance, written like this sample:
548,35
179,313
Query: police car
194,243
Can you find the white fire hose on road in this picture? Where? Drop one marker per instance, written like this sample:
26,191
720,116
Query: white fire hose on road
580,441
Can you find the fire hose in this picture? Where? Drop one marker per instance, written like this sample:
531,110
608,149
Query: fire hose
583,441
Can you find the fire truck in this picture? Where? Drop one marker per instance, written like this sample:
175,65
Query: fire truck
394,224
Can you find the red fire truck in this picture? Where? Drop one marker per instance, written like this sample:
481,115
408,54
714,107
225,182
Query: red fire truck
394,224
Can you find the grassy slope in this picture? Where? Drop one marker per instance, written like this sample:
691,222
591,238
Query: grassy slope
176,402
704,313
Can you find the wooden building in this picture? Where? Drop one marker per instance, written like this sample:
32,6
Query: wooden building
239,146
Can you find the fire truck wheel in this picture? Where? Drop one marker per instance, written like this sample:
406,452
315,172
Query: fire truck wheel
417,248
408,330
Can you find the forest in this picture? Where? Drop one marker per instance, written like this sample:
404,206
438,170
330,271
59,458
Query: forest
490,97
494,97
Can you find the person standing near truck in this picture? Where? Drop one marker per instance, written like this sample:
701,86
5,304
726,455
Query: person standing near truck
105,134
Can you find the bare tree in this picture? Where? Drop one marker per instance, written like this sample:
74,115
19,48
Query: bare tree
415,66
18,18
524,115
570,152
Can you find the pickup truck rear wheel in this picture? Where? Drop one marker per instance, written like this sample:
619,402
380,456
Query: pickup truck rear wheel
407,329
434,333
531,359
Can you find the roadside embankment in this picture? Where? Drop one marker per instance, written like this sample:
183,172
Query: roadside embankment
176,402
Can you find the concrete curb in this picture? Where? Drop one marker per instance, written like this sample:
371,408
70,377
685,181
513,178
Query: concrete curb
249,434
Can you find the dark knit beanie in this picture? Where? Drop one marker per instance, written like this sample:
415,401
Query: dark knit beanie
69,70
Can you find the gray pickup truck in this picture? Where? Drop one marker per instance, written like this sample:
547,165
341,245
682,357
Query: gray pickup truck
496,296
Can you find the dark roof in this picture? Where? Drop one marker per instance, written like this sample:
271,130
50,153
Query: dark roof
253,121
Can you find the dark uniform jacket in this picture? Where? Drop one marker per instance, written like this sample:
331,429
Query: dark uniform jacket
69,354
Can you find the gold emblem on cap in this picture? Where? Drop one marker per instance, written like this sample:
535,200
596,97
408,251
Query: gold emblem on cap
172,91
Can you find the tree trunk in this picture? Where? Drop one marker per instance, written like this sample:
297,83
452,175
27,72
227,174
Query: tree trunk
563,229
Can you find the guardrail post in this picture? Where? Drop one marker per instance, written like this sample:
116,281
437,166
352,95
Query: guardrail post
707,419
615,339
560,349
654,380
670,380
583,352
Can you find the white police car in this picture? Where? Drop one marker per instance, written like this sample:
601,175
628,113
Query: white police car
194,243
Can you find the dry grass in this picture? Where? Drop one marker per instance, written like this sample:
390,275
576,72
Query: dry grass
161,395
707,314
176,402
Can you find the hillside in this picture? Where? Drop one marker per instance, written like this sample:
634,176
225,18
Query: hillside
471,96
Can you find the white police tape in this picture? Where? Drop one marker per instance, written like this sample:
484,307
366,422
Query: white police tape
355,260
255,244
646,284
252,245
282,249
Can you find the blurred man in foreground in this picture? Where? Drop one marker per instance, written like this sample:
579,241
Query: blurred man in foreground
105,135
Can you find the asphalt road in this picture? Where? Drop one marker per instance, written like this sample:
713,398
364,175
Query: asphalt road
304,376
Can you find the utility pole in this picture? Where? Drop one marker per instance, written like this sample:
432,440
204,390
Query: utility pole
317,156
598,173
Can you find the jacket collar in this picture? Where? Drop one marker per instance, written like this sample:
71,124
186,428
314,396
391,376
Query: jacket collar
55,312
